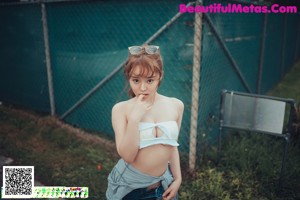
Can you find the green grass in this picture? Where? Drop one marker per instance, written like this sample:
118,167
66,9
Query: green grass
289,87
65,156
60,156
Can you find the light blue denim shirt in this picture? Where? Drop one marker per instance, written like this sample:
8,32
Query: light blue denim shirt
124,178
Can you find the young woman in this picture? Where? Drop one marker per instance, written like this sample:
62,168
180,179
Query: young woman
146,132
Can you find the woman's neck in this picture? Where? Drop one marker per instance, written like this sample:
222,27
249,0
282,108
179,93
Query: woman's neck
152,99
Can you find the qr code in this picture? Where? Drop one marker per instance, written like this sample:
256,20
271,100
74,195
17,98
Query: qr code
18,181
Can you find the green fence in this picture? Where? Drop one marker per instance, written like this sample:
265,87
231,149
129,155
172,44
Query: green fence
23,75
88,43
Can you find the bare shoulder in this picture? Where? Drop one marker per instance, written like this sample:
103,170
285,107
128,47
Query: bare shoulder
178,106
118,107
121,107
176,102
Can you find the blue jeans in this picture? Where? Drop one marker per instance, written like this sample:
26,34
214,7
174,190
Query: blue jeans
144,194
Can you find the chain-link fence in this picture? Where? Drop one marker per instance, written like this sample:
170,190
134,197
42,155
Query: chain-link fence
79,78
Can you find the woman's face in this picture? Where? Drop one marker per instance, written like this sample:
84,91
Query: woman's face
145,84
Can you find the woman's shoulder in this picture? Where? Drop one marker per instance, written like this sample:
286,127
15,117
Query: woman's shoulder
173,100
122,106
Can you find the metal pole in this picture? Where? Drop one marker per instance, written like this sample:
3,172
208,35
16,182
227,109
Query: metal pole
284,158
195,90
34,2
92,91
227,52
109,76
297,43
155,35
283,46
223,93
48,60
262,54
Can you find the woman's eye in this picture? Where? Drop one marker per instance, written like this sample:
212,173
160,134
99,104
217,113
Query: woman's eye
135,80
150,80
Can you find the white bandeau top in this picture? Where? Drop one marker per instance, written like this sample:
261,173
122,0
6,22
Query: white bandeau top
169,137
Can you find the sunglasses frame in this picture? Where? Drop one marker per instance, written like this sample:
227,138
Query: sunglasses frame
139,49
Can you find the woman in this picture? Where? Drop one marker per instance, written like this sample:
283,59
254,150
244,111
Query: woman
146,131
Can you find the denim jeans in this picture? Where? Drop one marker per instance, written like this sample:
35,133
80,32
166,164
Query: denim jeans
144,194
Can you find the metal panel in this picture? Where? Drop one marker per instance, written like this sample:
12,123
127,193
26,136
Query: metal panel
253,113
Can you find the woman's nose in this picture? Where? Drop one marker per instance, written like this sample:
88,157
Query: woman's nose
143,87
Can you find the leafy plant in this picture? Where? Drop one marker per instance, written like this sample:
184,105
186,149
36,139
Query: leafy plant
212,183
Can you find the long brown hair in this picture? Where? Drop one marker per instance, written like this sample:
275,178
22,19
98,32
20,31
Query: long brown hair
149,63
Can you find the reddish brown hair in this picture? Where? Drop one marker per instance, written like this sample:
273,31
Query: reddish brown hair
149,63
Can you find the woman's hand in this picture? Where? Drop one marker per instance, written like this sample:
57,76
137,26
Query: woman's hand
172,190
139,108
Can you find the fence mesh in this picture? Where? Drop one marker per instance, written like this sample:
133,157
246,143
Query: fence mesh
89,39
85,48
23,75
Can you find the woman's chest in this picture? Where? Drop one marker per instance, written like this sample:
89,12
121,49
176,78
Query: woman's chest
161,113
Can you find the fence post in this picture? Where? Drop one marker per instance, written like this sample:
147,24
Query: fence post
262,54
283,46
48,59
227,53
297,42
195,89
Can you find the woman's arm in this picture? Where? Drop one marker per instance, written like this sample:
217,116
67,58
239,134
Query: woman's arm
126,127
175,161
126,133
176,172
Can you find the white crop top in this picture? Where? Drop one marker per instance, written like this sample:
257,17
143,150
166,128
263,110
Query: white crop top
169,135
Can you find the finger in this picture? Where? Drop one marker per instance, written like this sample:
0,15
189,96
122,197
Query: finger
165,194
167,198
168,194
148,108
140,97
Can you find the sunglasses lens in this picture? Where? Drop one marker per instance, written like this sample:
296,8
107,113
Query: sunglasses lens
151,49
134,50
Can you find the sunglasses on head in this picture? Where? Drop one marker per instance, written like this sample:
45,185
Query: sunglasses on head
136,50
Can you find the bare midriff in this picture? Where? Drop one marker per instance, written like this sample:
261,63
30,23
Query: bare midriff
153,160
